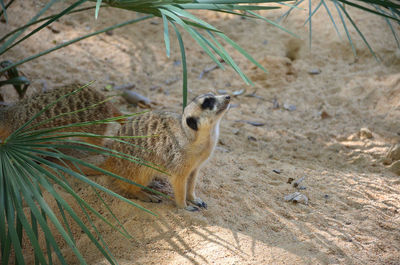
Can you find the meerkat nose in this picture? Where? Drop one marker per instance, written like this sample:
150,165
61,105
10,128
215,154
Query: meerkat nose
227,97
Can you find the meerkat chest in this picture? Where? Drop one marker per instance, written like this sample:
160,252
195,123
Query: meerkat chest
205,146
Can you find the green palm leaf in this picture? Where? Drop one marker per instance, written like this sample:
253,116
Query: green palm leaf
23,179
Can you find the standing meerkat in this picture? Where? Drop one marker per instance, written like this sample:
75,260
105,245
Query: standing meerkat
14,116
179,143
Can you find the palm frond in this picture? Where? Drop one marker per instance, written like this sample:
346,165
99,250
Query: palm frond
388,9
67,43
25,174
169,11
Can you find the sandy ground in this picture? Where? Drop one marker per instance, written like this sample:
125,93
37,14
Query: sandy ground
354,200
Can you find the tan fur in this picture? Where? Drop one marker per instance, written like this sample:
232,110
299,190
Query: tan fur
174,146
12,117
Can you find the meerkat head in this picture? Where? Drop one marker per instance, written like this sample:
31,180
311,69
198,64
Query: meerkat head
205,111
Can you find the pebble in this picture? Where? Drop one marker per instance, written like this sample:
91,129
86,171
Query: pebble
314,72
365,133
252,138
277,171
238,179
239,92
297,197
297,182
324,115
235,131
135,98
222,92
255,123
289,107
275,104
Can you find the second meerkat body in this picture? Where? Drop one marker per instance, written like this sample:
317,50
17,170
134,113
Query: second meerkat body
14,116
178,143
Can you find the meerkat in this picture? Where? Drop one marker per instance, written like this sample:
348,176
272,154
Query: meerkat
14,116
178,143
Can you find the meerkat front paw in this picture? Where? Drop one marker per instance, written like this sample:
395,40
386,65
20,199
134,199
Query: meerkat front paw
199,202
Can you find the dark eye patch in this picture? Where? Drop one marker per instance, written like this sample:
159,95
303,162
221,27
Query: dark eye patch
208,103
192,123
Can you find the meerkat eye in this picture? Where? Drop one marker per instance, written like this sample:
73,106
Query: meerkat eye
192,123
208,103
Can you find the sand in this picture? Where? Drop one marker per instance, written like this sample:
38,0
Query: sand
353,212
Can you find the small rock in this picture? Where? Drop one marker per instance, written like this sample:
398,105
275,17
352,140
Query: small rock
239,92
314,72
395,167
235,131
222,92
109,32
275,104
238,179
297,197
302,188
326,196
297,182
252,138
365,133
324,115
289,107
277,171
135,98
290,180
255,123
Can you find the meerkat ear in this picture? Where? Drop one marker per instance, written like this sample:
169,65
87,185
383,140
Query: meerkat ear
192,123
